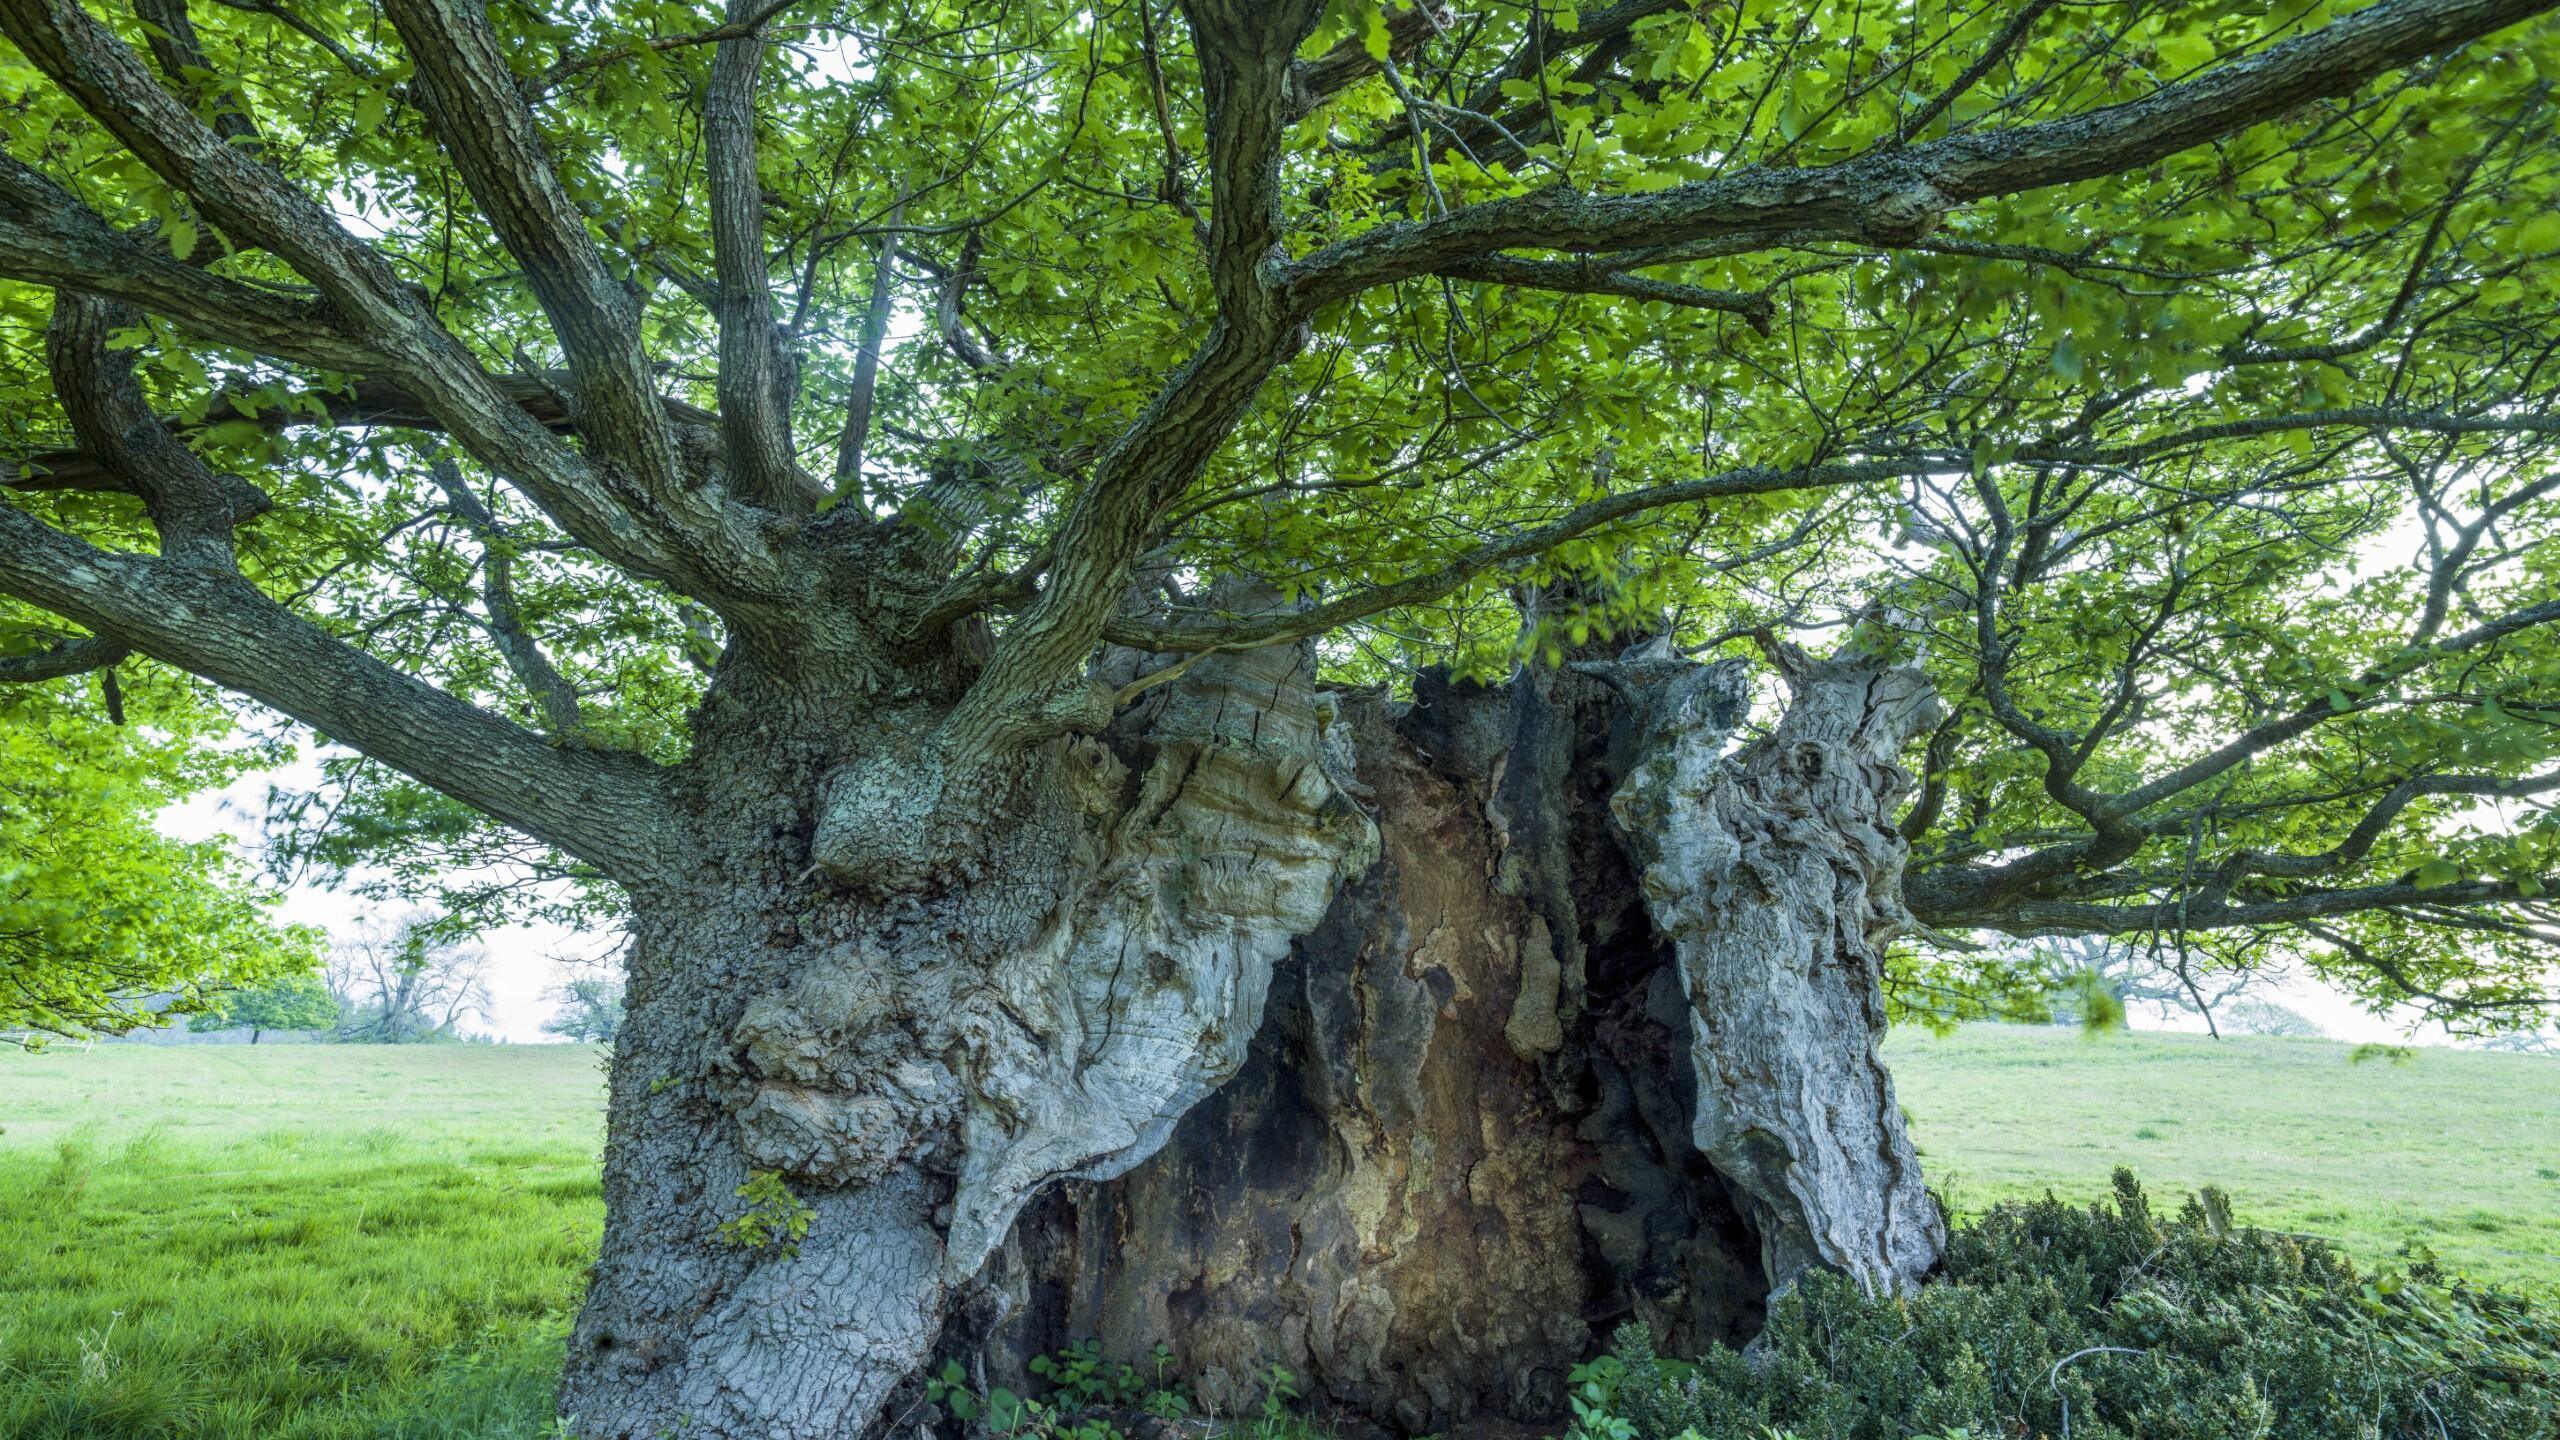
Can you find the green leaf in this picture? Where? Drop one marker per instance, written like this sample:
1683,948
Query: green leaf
1375,37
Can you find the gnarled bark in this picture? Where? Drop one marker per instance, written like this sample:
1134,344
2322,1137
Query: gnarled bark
1409,1046
1774,875
1593,1042
914,1069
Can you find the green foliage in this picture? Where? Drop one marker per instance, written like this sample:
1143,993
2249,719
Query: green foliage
2149,380
774,1216
292,1002
100,911
2106,1323
1086,1397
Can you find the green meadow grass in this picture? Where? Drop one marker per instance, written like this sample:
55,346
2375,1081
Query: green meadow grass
368,1243
2457,1149
292,1242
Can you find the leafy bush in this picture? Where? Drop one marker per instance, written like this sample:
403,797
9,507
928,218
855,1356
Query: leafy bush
2109,1323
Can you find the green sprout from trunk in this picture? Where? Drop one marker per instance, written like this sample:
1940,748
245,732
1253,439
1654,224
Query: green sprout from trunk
774,1216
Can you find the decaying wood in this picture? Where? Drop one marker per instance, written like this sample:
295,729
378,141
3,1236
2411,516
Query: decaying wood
1593,1042
915,1072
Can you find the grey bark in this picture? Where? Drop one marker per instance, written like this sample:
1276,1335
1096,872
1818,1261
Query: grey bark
1593,1042
916,1067
1775,876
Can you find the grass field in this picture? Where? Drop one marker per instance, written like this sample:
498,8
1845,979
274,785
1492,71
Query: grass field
291,1242
2459,1149
325,1242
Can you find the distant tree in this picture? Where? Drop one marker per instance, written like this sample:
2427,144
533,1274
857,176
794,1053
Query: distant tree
589,1009
2258,1015
2096,979
289,1002
2524,1042
408,982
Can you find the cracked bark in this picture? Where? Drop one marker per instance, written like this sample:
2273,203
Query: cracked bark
917,1068
1413,1047
1592,1042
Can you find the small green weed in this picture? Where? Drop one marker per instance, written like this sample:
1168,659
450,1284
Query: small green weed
774,1216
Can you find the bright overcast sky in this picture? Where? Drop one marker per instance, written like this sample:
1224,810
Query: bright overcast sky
523,959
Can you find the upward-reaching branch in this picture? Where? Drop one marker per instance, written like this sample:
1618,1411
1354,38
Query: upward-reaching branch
470,97
755,376
1033,685
1245,49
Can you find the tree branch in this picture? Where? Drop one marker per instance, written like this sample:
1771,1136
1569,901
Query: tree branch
1589,277
755,380
365,403
1895,197
373,322
1312,82
2001,45
468,94
551,690
603,807
1432,584
2070,917
2260,738
190,506
76,656
173,42
876,311
49,238
1245,50
1034,684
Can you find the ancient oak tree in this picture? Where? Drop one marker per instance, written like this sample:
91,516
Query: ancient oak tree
1296,679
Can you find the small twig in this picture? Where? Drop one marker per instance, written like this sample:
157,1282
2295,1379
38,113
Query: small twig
1151,680
2053,1377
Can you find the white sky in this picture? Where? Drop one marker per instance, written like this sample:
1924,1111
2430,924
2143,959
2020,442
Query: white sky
524,960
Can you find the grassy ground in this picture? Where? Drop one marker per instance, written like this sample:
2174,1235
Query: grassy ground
291,1242
327,1243
2457,1149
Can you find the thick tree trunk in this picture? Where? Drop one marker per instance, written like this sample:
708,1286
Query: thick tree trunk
828,1110
1548,1056
1594,1042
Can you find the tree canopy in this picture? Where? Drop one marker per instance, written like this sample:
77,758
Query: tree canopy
290,1002
2173,380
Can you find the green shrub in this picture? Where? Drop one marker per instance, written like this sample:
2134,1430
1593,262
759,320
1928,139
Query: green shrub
2110,1323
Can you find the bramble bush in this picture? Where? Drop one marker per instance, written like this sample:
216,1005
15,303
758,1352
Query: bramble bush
2109,1323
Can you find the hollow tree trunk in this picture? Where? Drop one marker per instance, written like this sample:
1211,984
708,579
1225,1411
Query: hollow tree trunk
1409,1047
1593,1042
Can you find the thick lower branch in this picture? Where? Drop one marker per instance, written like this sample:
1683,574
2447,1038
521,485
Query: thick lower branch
603,807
